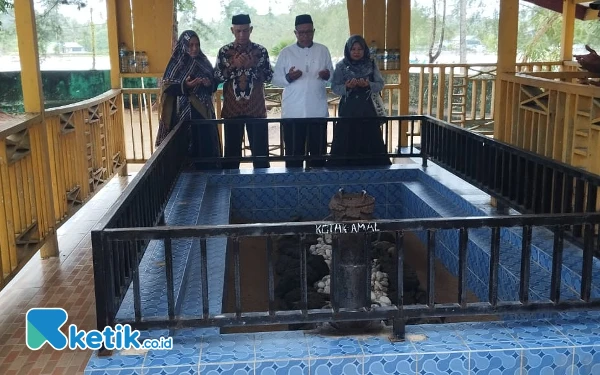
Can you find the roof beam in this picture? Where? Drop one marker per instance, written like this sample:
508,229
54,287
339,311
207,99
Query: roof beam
557,6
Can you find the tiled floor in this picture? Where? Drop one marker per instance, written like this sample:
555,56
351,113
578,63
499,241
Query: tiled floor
65,281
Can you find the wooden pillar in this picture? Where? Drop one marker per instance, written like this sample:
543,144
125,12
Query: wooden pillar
31,78
508,26
405,10
33,100
568,30
113,43
374,27
355,16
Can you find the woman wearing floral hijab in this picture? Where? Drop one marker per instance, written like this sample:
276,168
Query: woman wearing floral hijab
187,94
355,79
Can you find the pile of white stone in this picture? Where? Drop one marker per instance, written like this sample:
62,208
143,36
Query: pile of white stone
379,280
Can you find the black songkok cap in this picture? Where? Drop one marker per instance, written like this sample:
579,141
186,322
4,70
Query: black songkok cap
302,19
240,19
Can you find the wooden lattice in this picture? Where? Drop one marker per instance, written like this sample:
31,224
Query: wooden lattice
17,145
67,122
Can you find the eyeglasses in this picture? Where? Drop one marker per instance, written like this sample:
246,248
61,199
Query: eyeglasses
308,32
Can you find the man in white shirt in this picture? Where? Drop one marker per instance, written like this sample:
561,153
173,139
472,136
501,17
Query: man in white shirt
303,70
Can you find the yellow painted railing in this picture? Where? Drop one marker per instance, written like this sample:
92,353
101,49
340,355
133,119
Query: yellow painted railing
25,209
141,122
49,166
551,114
467,99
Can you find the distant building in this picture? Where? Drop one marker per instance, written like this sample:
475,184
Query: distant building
72,47
55,48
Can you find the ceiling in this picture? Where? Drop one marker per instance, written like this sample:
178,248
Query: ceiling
581,9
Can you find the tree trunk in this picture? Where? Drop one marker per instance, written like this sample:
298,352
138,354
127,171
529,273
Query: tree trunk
433,32
434,55
463,31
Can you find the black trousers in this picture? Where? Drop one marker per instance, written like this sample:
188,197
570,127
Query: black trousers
303,137
258,135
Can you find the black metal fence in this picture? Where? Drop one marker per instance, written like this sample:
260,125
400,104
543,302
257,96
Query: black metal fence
141,204
524,181
560,197
391,132
115,238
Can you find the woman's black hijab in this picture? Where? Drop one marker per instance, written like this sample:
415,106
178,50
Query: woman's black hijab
357,68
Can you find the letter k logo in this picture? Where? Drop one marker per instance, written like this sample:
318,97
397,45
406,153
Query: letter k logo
43,325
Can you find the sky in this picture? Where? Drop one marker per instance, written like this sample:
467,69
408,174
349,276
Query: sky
207,10
211,9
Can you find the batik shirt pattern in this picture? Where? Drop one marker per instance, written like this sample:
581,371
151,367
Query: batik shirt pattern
243,89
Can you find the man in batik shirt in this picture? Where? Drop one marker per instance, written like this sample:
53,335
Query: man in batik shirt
244,68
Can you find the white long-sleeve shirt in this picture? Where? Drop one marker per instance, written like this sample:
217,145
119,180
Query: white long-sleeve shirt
306,96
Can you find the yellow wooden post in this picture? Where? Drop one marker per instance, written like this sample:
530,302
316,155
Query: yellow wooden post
156,41
404,65
508,27
568,30
374,28
113,43
507,55
33,100
8,248
355,16
113,46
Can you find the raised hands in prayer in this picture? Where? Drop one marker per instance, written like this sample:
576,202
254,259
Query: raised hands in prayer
294,74
589,62
357,82
324,74
242,61
194,82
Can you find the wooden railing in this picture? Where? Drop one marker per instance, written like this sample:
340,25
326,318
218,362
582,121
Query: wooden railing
25,212
141,122
467,100
553,115
50,165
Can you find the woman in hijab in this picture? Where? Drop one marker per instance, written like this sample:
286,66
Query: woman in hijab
187,94
355,79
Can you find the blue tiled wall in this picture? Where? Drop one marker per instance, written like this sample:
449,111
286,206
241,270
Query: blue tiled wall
566,344
305,196
413,194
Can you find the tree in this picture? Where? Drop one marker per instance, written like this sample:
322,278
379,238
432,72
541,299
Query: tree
5,6
463,30
8,36
49,29
539,34
435,45
276,50
233,7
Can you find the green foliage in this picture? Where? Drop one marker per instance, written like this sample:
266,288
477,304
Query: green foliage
329,16
234,7
587,32
186,6
539,29
5,6
50,28
276,49
539,34
8,35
